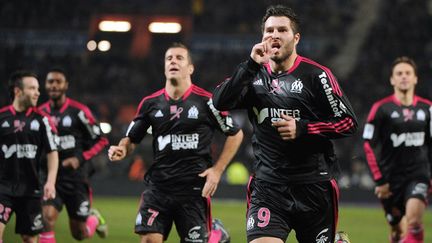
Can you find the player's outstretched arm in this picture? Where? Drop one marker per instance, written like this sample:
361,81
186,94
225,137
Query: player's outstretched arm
214,173
53,163
119,152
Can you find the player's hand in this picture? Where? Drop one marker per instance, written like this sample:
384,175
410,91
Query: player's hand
286,127
49,191
72,162
261,52
116,153
212,176
383,191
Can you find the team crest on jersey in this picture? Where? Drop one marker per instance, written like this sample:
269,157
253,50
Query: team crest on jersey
421,115
159,114
296,86
34,125
5,124
67,121
193,113
394,114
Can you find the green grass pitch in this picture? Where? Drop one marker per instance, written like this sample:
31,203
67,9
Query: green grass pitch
363,224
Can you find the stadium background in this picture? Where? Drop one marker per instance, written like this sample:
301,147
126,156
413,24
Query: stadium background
357,39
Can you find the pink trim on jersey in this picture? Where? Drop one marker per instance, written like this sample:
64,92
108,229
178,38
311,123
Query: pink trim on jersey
30,110
46,106
4,109
200,91
80,106
188,92
268,68
378,104
65,105
157,93
12,110
93,151
372,162
334,84
209,215
248,194
338,127
335,205
420,99
295,65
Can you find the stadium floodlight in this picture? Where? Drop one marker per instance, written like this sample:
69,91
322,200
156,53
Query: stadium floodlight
91,45
165,27
104,45
114,26
105,127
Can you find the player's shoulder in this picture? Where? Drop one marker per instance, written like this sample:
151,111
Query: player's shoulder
388,100
72,103
154,96
5,109
310,65
200,92
423,101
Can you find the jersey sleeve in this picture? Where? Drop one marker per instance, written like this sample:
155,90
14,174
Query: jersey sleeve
429,140
222,120
335,115
138,127
232,93
93,139
371,137
48,135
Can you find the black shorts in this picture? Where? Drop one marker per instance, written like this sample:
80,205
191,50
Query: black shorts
309,209
28,211
76,196
394,206
190,213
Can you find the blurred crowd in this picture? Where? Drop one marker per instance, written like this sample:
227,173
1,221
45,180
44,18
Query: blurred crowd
40,34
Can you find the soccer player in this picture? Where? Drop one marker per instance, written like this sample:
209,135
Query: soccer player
295,106
398,150
180,182
79,140
25,133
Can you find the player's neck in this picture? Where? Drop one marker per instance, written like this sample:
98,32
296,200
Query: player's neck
176,89
18,106
285,65
406,98
59,102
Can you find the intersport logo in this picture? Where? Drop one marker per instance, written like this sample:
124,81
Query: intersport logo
275,114
410,139
22,151
179,141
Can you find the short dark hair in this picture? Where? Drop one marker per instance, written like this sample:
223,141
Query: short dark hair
404,59
16,80
280,11
57,69
181,45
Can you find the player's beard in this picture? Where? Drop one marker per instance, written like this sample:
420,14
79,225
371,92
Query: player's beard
27,102
285,52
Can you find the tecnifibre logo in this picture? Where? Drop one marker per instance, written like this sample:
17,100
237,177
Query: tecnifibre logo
337,106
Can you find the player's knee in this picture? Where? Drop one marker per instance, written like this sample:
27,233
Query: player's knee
79,235
29,239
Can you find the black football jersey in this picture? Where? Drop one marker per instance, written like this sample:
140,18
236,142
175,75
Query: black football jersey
79,136
398,139
182,133
24,136
310,94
